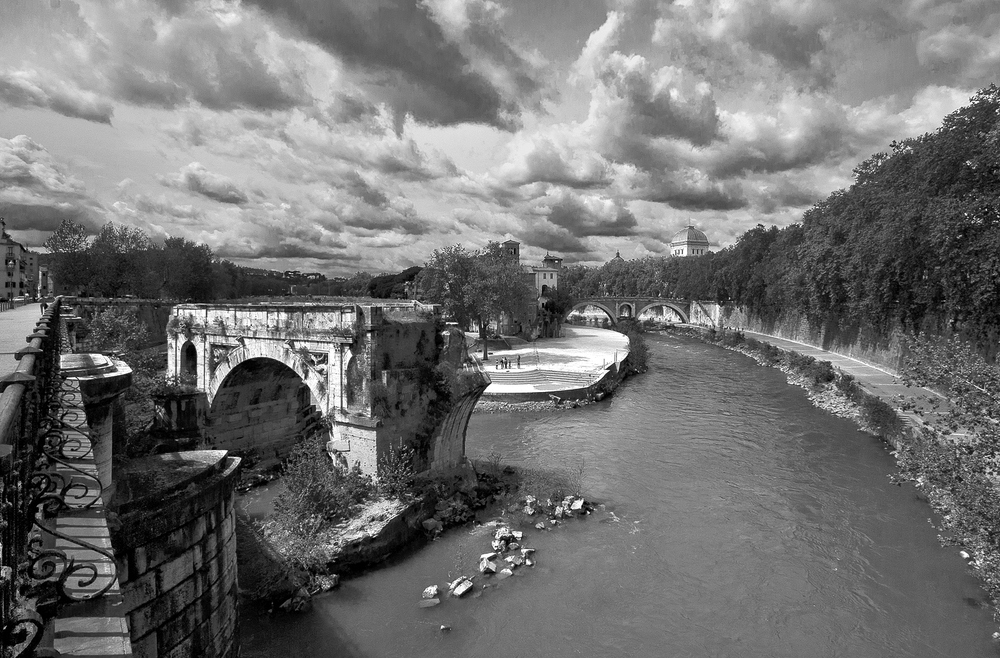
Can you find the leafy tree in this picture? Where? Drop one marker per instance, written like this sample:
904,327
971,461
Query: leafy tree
70,263
475,286
187,269
119,257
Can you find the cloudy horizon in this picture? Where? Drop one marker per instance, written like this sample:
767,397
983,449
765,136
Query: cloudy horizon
340,135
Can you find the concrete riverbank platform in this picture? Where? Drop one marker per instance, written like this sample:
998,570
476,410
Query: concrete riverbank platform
565,367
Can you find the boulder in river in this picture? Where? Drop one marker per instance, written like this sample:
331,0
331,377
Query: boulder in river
462,588
431,592
487,566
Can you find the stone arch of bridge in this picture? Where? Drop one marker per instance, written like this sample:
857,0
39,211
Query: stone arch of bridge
581,305
673,307
268,350
626,310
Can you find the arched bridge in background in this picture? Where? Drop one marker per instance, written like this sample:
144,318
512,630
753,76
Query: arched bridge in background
633,307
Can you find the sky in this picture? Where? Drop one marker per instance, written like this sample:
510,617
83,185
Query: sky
342,135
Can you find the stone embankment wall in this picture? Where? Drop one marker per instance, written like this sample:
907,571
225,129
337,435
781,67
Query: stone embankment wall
885,348
863,344
176,553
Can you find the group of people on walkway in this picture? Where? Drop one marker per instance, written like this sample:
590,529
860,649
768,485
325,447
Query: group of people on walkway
503,363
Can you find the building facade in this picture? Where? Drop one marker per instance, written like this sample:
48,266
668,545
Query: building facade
20,274
689,241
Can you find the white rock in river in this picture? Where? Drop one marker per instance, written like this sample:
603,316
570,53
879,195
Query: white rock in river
486,566
463,587
487,556
430,592
504,573
518,535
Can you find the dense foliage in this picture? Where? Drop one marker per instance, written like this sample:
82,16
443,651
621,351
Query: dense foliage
123,261
914,242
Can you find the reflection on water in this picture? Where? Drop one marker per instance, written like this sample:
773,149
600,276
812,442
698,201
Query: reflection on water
739,521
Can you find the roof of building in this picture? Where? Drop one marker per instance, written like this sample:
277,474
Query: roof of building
689,235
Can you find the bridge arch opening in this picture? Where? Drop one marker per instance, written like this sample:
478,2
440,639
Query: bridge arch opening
662,312
262,409
625,310
189,361
588,313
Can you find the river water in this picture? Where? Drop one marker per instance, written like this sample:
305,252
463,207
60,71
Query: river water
749,523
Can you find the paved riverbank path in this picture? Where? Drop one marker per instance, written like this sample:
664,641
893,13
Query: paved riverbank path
877,379
15,325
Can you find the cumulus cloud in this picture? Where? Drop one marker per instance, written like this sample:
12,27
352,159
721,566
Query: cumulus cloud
441,61
196,178
585,215
36,192
34,88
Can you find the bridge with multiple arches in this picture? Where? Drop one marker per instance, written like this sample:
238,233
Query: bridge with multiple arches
632,307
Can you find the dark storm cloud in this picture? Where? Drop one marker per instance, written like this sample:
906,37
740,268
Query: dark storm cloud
412,61
30,88
196,178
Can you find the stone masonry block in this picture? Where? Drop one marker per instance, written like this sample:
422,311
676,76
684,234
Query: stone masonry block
175,571
154,614
139,591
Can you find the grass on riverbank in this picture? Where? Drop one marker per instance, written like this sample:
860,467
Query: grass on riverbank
957,475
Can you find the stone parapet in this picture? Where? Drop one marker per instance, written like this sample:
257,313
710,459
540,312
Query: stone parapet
176,551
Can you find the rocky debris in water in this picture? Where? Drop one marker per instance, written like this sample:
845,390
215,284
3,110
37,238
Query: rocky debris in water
323,583
431,592
445,628
488,556
577,505
528,562
540,526
525,552
300,601
504,573
462,588
964,555
432,525
487,566
514,560
428,603
518,535
499,545
554,522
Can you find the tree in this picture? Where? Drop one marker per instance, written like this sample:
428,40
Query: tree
475,286
187,270
119,257
70,262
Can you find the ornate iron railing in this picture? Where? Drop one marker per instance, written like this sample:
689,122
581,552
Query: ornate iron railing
27,396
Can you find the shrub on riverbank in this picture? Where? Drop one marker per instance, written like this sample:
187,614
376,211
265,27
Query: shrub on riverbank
638,351
315,492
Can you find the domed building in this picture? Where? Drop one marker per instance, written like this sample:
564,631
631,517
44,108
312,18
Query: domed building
689,242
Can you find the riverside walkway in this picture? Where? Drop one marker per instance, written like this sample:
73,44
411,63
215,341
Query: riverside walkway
15,324
876,379
553,365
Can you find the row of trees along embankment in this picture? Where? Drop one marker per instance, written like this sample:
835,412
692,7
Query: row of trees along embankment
913,246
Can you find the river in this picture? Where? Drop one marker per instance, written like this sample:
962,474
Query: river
750,524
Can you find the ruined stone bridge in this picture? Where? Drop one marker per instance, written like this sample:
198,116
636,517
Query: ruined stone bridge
380,373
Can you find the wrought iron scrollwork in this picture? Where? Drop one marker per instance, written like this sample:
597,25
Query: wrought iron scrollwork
54,566
22,632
